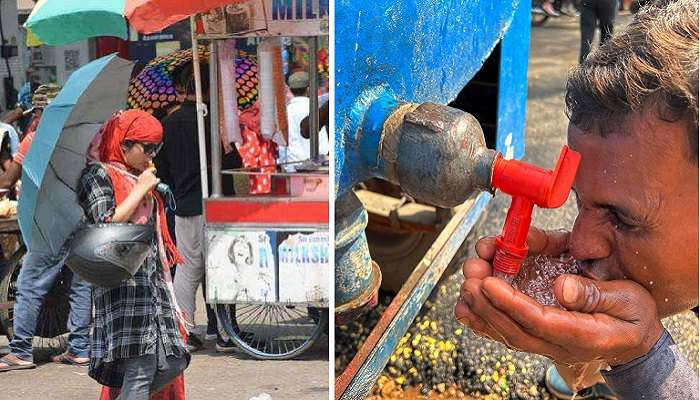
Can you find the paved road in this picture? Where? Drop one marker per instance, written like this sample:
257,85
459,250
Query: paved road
211,375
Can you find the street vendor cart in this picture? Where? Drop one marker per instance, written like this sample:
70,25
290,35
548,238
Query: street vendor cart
267,248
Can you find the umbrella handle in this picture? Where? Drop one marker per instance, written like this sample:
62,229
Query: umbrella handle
164,189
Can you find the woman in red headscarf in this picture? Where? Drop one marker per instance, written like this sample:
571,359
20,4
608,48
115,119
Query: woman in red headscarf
136,344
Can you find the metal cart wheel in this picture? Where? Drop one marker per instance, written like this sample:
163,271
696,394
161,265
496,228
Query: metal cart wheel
8,293
273,331
53,318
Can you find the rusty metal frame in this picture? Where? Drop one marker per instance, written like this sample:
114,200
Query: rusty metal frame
360,375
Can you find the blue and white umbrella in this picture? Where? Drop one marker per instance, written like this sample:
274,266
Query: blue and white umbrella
48,207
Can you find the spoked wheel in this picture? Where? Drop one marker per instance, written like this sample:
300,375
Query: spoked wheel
273,331
8,294
53,318
52,325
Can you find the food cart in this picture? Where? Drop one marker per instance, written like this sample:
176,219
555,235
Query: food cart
267,258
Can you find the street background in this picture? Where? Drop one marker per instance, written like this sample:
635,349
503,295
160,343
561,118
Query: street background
211,375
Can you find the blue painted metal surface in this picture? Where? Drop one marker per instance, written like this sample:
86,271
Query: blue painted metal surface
349,226
417,51
512,85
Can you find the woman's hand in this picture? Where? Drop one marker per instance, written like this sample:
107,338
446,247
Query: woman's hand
144,184
12,116
146,181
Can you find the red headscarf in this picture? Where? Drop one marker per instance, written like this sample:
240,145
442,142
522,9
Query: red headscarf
137,126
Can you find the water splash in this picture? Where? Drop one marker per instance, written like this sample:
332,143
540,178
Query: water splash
503,276
537,275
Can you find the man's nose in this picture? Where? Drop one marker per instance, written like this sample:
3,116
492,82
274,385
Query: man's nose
589,238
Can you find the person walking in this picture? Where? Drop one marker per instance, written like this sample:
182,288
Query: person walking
136,344
39,273
179,166
596,12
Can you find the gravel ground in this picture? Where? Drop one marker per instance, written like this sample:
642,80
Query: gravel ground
437,357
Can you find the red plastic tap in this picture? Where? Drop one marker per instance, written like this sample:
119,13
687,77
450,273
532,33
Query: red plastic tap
528,185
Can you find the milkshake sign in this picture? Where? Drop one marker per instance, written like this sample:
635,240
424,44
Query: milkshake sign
267,18
286,10
304,268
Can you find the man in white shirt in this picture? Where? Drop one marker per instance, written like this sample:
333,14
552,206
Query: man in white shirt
298,148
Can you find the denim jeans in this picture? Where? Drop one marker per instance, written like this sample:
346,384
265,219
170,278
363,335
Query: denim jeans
37,276
150,373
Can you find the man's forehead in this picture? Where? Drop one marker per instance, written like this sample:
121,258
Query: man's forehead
632,169
625,153
640,135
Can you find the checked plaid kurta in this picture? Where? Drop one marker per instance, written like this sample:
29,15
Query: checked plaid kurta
131,318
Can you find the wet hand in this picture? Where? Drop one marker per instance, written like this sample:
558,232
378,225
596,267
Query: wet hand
147,180
613,321
551,243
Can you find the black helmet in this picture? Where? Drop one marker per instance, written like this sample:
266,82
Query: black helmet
106,254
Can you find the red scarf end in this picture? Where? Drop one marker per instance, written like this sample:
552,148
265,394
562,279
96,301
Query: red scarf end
173,254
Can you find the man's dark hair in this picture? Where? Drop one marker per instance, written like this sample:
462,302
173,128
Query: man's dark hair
653,62
299,92
186,79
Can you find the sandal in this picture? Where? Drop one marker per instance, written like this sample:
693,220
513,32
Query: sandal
11,363
69,359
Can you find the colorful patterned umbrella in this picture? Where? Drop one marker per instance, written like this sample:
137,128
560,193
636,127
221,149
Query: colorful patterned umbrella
153,88
246,80
57,22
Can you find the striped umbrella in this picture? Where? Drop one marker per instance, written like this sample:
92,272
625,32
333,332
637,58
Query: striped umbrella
58,22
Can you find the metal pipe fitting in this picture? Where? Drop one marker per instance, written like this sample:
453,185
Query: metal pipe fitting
357,278
436,153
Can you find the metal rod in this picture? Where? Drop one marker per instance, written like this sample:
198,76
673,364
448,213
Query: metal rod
313,97
215,91
360,375
201,131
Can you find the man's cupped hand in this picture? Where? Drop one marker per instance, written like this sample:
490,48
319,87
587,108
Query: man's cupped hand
611,321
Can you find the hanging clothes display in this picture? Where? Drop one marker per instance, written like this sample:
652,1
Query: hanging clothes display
256,151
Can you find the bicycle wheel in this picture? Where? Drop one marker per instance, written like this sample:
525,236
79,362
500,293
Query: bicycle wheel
52,322
8,294
273,331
